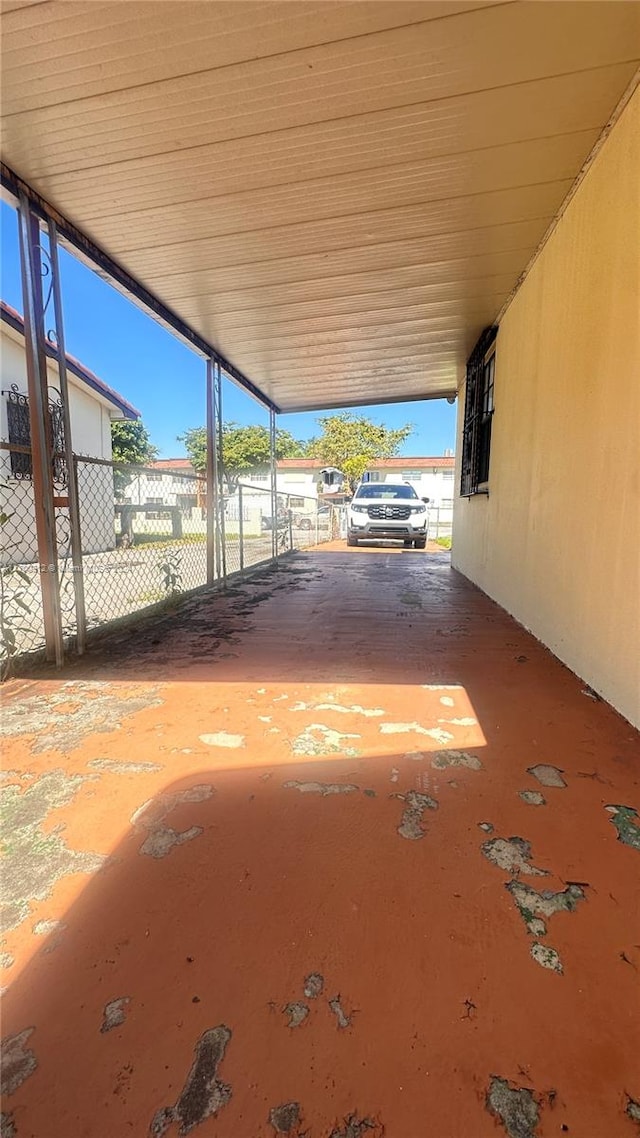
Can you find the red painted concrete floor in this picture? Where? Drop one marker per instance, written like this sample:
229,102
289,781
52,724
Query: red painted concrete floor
279,864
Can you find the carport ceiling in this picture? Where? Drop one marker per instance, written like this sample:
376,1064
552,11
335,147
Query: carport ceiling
339,196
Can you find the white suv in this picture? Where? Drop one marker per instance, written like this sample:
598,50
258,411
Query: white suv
381,510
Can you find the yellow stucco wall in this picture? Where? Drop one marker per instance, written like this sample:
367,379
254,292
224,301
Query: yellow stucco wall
557,542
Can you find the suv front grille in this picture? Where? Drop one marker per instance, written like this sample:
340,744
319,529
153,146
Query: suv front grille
390,513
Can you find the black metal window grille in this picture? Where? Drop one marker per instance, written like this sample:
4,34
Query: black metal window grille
19,431
478,415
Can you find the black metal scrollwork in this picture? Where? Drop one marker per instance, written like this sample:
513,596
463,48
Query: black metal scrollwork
19,429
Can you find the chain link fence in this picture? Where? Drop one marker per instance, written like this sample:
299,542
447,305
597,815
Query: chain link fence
439,522
144,541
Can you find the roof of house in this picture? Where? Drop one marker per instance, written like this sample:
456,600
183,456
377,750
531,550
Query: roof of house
421,462
13,318
172,464
416,462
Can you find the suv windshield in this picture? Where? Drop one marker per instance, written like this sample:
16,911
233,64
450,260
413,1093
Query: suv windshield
383,490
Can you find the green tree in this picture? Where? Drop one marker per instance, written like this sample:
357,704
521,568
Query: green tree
353,443
130,443
243,449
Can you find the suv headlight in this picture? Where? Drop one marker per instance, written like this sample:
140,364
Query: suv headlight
358,509
419,509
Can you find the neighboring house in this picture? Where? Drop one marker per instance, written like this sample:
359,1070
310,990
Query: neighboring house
169,482
93,406
431,477
304,481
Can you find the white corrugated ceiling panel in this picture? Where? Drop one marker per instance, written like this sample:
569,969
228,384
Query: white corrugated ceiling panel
338,195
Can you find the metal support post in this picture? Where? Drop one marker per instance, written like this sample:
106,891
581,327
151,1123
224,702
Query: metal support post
290,517
240,528
274,485
40,428
220,530
211,474
72,473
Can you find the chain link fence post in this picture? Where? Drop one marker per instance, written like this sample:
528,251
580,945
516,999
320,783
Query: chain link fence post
241,527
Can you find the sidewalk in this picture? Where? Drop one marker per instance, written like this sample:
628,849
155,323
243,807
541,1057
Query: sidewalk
344,853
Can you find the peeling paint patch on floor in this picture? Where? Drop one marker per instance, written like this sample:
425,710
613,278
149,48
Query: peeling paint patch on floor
633,1109
297,1013
513,855
416,729
354,1127
223,739
117,767
43,928
353,709
320,740
624,820
313,985
546,957
411,826
17,1061
204,1094
547,775
534,906
7,1126
443,759
533,797
464,721
150,817
343,1019
62,720
516,1108
36,859
285,1118
115,1013
323,788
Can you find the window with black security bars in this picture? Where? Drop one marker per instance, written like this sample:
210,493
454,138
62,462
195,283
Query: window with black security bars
19,432
478,415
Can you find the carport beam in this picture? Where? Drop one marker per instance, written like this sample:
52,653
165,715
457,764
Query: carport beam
220,528
211,473
75,536
274,486
40,429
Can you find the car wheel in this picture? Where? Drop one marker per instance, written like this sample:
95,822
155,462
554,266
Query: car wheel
351,540
420,543
304,523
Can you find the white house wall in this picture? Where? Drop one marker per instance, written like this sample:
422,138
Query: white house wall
90,434
557,540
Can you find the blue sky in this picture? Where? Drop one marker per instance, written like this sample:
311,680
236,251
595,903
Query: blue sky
164,379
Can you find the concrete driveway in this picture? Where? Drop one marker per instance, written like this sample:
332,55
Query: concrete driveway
345,853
